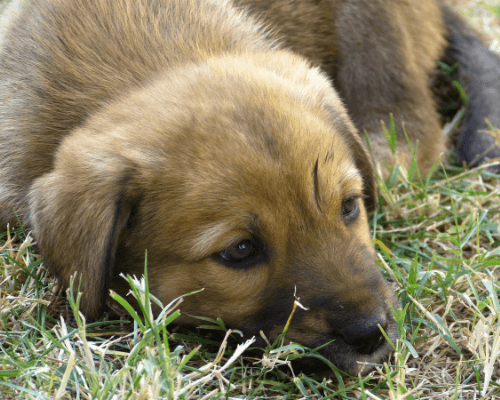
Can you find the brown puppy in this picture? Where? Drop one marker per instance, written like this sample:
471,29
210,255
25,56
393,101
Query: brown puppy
179,127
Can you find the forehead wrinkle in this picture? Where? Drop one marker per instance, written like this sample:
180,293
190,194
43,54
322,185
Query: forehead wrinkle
316,184
329,158
344,169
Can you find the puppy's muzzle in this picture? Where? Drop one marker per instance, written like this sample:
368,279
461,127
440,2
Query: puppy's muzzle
364,336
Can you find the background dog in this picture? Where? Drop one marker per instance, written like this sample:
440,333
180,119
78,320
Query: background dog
182,128
380,55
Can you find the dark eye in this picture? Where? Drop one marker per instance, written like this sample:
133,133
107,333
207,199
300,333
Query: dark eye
350,209
244,254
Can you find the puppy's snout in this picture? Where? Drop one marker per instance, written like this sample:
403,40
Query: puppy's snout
365,336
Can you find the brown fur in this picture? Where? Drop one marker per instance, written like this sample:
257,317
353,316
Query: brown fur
380,56
181,128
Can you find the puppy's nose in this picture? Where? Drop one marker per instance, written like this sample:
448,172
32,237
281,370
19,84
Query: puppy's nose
365,335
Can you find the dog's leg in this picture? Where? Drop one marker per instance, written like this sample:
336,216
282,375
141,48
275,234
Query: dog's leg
479,74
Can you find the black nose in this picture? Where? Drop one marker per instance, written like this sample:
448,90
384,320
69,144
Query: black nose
365,335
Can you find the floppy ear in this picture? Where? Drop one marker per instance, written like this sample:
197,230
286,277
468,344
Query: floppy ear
77,213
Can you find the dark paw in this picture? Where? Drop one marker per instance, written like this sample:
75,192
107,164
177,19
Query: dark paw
480,146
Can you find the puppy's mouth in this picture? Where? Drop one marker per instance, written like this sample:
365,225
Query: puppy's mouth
358,356
355,348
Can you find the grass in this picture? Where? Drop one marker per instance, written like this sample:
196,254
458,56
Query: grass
484,16
439,245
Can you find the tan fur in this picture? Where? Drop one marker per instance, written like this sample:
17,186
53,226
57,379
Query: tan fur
180,128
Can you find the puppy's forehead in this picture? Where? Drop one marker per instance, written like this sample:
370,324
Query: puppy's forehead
270,145
266,162
257,116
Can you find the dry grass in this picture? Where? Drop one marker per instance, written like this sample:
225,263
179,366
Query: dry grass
484,15
439,244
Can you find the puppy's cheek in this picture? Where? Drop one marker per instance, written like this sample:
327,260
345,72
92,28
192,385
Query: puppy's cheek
361,231
231,294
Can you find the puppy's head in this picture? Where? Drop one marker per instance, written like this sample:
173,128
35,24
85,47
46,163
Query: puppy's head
241,176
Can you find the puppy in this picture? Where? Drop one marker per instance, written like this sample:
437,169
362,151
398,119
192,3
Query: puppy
182,128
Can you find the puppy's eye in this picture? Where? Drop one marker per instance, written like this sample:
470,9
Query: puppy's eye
350,209
244,254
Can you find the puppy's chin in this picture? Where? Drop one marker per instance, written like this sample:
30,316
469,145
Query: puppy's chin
330,349
345,356
335,350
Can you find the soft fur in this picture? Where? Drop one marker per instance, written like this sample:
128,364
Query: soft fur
182,128
380,55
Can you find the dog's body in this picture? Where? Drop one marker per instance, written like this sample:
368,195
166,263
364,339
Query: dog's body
380,55
179,127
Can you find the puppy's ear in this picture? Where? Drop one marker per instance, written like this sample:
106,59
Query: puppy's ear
77,213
